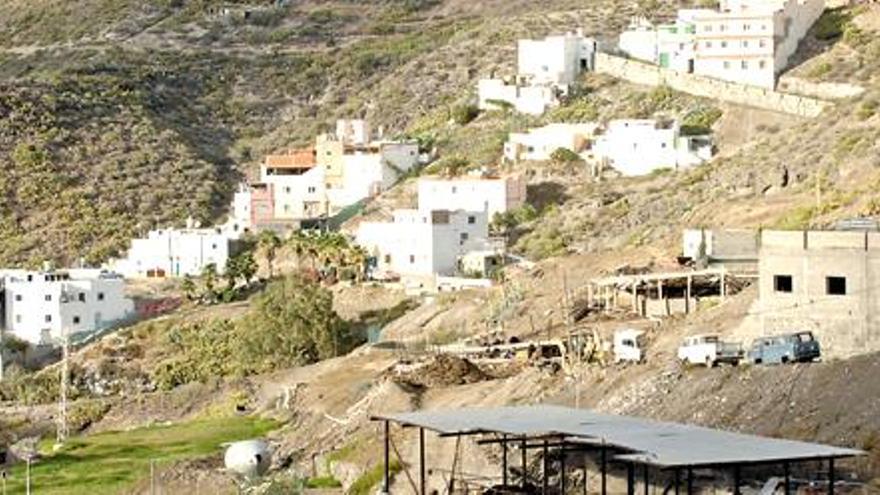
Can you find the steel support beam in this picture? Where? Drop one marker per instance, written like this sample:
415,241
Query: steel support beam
787,468
562,480
604,471
677,480
423,481
690,481
736,480
545,482
504,460
647,481
630,479
525,465
831,476
386,477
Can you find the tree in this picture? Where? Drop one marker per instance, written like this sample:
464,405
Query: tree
269,242
209,281
247,266
293,323
188,287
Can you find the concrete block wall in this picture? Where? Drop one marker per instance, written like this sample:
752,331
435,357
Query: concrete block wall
740,94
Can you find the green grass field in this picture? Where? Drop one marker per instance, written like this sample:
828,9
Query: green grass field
109,462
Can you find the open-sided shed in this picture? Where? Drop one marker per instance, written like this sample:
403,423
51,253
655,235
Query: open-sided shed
623,440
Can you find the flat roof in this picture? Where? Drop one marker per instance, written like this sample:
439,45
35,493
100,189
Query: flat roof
642,441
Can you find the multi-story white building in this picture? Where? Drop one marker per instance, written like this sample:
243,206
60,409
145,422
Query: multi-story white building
299,185
40,307
546,69
354,132
175,253
476,192
743,41
539,143
418,242
638,147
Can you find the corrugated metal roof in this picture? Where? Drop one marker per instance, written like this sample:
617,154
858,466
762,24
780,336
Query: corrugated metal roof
645,441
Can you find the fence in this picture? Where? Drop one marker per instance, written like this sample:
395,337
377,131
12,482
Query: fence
740,94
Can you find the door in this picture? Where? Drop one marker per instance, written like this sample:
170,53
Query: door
664,60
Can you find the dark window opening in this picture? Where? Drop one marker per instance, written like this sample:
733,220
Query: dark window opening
783,283
835,286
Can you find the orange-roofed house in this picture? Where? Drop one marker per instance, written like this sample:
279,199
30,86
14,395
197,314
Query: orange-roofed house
297,183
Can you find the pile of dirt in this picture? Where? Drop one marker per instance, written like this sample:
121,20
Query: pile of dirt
442,370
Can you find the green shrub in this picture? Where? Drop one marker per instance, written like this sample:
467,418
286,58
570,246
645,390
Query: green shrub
867,109
564,155
464,114
372,477
700,121
831,24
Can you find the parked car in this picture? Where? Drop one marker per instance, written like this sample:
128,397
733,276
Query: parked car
798,347
629,345
709,350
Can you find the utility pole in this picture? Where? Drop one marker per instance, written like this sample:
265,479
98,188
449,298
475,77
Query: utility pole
63,431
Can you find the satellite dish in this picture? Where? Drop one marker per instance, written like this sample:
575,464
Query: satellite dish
248,458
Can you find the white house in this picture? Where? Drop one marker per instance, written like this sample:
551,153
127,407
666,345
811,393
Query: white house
545,71
556,60
539,143
354,132
175,253
638,147
475,192
39,306
418,242
298,184
524,98
667,45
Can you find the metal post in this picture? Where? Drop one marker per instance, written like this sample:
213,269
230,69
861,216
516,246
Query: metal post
787,468
422,478
630,479
562,469
27,486
723,283
831,476
645,476
736,476
690,481
386,478
525,464
152,477
504,460
545,483
604,472
677,480
687,300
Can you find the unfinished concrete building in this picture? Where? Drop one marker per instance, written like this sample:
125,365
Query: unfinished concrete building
734,249
825,282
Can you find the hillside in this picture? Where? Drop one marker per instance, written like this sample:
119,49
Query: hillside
116,116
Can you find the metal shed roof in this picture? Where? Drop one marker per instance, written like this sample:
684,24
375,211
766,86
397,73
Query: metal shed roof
644,441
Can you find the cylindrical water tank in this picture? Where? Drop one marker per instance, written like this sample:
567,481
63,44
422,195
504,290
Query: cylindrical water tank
248,458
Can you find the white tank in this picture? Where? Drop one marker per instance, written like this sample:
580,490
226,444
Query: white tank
248,458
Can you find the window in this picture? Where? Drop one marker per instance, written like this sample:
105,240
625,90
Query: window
454,189
76,320
412,258
464,236
708,28
287,190
18,318
722,27
762,64
213,246
746,27
18,297
311,189
726,64
48,318
762,43
708,44
746,44
101,294
723,44
472,219
835,286
782,283
48,297
744,64
387,258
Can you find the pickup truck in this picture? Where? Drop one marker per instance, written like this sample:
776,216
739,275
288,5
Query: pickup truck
799,347
709,350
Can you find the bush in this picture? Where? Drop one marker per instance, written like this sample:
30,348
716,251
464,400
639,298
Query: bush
464,114
563,155
700,121
831,24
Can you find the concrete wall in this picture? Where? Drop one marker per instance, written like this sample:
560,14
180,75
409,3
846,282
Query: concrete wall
844,324
643,73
